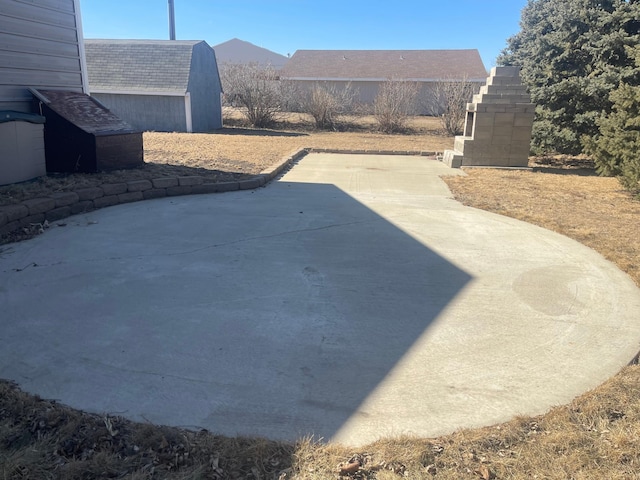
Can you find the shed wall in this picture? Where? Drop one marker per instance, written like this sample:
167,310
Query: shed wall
205,88
147,112
39,47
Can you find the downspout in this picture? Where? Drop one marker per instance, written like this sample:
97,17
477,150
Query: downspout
81,50
187,112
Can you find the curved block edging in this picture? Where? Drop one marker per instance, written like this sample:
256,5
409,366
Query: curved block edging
374,152
55,207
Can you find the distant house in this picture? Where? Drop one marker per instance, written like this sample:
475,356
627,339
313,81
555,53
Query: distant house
161,85
365,70
236,51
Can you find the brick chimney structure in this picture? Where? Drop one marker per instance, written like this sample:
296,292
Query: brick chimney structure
497,131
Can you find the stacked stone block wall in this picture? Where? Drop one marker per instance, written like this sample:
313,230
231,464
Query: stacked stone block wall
498,124
58,206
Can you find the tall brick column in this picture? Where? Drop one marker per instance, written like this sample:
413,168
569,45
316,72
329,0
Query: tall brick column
498,125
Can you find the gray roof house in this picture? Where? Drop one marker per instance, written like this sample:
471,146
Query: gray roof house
236,51
160,85
365,70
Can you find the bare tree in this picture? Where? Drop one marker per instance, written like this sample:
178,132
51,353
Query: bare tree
448,100
326,102
255,88
394,103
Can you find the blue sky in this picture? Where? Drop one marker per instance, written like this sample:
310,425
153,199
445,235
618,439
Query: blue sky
285,26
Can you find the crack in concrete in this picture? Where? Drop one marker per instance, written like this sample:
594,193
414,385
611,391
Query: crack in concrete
262,237
207,247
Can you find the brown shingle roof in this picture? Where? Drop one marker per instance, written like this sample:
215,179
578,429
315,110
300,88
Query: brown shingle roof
83,111
385,64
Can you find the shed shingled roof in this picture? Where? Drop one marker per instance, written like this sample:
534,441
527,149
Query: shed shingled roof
385,64
83,111
145,65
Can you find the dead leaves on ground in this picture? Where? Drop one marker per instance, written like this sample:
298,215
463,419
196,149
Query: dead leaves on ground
363,466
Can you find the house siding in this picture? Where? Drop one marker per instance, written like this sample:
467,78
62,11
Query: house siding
40,46
205,87
160,113
366,70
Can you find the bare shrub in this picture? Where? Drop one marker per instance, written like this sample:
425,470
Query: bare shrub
257,89
394,103
448,101
326,102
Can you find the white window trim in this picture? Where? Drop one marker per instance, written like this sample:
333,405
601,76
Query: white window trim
187,111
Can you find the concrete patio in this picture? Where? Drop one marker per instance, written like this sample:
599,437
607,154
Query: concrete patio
351,299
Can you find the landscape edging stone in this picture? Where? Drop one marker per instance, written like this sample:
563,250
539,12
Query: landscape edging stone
59,205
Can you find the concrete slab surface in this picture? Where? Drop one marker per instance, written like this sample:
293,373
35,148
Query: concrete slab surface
351,299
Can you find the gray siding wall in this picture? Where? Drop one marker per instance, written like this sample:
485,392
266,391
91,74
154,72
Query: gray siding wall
205,89
147,112
365,91
39,47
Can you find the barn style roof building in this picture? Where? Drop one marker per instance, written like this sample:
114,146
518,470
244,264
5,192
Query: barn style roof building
162,85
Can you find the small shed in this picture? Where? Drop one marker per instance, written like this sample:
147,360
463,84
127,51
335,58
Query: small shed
81,135
158,85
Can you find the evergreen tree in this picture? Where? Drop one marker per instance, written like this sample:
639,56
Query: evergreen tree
573,53
616,149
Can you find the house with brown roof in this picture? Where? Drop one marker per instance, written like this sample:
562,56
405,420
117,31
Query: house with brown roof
365,70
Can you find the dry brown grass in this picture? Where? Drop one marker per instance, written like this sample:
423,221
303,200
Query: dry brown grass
237,152
245,150
596,436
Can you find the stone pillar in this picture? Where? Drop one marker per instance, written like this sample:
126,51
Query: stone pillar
498,124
